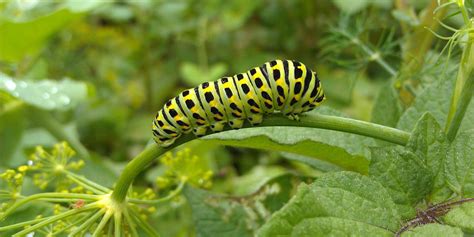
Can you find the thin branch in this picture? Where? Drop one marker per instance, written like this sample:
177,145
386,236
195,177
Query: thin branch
56,218
368,129
170,196
88,223
39,196
463,103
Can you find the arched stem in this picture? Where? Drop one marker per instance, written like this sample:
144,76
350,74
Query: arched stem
368,129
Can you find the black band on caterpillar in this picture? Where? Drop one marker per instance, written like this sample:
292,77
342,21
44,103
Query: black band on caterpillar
280,85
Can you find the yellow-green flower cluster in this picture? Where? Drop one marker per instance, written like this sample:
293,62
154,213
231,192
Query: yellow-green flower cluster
51,167
144,210
13,179
184,167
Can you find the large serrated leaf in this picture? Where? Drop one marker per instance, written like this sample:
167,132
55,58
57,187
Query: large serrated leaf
45,94
332,226
431,230
460,164
404,175
331,201
462,217
429,142
348,151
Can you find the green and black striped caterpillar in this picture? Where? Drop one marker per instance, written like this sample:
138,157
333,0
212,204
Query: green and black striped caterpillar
280,85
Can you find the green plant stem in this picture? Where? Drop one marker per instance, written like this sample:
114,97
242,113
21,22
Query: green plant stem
151,152
373,55
131,224
102,223
150,231
21,224
56,218
170,196
463,103
466,66
71,196
84,226
419,39
47,121
73,224
92,186
118,224
376,57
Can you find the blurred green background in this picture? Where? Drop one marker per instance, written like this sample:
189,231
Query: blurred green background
101,69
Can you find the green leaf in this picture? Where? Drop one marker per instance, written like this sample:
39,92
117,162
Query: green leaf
219,215
213,216
404,175
462,217
429,142
313,163
435,98
387,108
45,94
460,164
431,230
193,75
342,149
255,179
331,201
332,226
21,39
12,125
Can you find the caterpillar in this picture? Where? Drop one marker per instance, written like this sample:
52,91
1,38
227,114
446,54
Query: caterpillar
280,85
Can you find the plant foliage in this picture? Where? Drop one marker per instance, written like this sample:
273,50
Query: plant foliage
389,154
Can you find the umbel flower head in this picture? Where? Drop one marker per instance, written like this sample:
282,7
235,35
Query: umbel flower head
12,181
84,207
184,167
52,167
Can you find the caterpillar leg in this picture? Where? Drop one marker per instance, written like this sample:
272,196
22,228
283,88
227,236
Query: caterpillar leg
294,117
200,131
236,123
163,140
255,119
218,126
168,142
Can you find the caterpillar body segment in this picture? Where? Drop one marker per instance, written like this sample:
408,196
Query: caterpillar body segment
280,85
232,103
249,98
262,87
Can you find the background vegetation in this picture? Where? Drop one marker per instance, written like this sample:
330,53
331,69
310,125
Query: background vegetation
93,74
